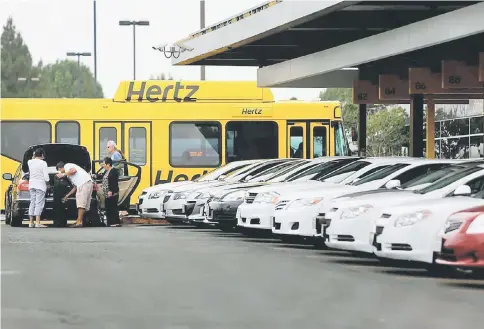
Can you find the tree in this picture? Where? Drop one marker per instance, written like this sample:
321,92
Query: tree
67,79
349,111
293,98
16,63
162,76
386,132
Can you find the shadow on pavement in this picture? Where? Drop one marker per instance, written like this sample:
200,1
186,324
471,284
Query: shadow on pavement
344,254
259,240
466,285
360,262
295,246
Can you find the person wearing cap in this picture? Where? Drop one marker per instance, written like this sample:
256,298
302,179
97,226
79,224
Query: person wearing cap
116,155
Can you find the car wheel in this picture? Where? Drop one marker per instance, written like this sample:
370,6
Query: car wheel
16,221
8,210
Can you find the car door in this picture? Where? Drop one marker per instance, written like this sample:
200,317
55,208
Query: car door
127,183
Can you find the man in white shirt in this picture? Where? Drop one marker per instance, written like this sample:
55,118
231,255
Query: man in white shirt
82,186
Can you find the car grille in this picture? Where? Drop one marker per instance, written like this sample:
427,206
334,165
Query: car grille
386,215
250,198
280,205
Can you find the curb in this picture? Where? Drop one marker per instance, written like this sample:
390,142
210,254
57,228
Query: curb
143,221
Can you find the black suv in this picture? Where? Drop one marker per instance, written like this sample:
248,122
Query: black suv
17,196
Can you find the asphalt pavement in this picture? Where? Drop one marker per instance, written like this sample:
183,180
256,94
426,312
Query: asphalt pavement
187,278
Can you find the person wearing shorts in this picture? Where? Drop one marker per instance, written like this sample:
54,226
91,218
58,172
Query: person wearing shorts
83,186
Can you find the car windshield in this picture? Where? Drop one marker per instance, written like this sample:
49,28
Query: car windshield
380,174
322,170
302,170
214,174
339,175
449,179
432,177
275,169
288,169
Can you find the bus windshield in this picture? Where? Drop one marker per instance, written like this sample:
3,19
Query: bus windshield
341,146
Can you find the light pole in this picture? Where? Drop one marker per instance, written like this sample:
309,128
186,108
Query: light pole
134,23
202,26
27,81
79,67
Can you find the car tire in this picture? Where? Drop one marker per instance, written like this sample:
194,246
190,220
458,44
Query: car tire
8,210
16,221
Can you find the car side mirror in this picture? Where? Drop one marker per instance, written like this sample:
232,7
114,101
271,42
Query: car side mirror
463,190
7,176
394,183
248,177
222,177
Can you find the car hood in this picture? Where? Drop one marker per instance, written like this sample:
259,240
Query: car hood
284,186
442,206
324,190
54,153
199,185
376,198
166,186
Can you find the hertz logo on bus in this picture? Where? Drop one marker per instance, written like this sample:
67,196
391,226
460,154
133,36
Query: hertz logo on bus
251,111
151,93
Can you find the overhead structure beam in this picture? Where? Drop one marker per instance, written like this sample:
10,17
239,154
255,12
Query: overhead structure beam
276,16
398,41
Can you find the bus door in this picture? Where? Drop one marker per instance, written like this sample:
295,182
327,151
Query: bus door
137,150
319,139
296,140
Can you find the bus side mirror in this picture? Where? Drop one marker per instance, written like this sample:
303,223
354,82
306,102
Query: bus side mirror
7,176
354,135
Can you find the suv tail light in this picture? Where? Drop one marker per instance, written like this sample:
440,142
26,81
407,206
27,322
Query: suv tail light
23,185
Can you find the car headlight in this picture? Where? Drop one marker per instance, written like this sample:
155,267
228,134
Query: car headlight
353,212
306,202
477,226
234,196
180,195
156,194
268,197
411,218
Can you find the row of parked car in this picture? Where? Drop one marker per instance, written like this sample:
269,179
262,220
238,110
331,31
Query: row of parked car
423,211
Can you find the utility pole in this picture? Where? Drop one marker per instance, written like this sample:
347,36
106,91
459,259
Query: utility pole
79,68
134,23
202,26
95,48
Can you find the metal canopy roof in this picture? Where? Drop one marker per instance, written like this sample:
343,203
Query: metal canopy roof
303,28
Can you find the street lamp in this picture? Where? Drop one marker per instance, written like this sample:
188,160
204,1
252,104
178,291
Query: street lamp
28,79
78,66
78,56
134,23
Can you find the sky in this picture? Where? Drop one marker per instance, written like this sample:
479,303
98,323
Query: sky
51,28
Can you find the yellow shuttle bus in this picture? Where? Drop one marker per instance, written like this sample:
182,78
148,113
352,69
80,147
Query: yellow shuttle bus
175,130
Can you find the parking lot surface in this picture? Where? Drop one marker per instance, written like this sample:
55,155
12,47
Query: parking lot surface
184,278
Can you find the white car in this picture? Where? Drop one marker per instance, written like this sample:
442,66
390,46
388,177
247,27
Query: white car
296,212
221,206
414,232
174,207
349,222
150,200
258,214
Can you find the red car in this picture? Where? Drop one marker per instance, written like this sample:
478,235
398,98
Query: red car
463,244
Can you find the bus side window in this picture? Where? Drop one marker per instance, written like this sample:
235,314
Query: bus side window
297,142
18,136
319,141
106,134
247,140
67,132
